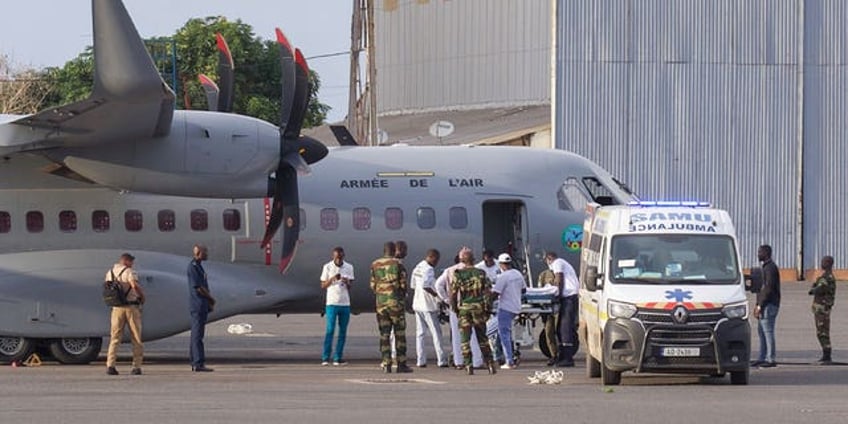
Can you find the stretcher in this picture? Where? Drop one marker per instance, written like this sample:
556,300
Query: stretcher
536,302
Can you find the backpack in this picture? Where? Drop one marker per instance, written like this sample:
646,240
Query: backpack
113,293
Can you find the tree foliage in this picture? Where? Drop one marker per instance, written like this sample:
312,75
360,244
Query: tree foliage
22,90
257,71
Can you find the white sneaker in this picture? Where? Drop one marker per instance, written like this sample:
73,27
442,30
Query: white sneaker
508,367
339,363
324,363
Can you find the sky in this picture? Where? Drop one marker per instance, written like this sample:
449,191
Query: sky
42,33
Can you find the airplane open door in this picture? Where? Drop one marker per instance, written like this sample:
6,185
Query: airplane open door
505,229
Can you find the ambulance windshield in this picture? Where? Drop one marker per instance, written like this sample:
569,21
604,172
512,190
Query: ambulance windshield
674,258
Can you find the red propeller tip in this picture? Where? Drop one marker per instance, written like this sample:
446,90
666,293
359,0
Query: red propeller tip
223,47
301,61
206,80
285,263
281,39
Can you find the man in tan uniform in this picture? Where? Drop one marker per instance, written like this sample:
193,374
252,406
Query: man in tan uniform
129,314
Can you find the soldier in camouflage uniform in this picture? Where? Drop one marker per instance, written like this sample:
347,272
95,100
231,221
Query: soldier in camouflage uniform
471,299
388,281
824,294
547,278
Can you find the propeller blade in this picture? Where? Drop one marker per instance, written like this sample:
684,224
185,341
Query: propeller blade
343,135
296,161
285,210
287,79
301,98
226,75
211,90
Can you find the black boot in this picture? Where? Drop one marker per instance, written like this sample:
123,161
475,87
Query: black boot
469,370
493,367
825,359
403,368
564,359
387,368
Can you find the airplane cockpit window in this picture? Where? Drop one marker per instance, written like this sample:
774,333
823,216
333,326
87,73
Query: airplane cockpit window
167,220
458,218
426,218
394,218
67,221
133,220
199,220
100,221
5,222
571,197
35,221
232,220
599,192
361,219
329,219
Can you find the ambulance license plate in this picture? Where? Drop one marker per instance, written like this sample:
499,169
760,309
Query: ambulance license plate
681,351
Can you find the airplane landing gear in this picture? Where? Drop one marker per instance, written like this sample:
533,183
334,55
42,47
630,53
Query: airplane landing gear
15,348
80,350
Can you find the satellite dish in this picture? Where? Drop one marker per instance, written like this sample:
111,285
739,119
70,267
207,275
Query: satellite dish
441,129
382,137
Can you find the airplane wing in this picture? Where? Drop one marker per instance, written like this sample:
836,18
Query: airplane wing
129,98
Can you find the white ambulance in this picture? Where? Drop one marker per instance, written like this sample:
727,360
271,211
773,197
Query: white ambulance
662,290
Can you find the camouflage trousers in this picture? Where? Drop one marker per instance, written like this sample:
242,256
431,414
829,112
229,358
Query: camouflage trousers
389,319
473,318
821,313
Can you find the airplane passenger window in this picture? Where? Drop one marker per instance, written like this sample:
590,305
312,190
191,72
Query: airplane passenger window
361,219
394,218
199,220
67,221
458,218
35,221
232,220
5,222
133,220
329,219
100,221
167,220
426,218
571,197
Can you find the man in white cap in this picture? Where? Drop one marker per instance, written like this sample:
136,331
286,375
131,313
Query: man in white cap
508,289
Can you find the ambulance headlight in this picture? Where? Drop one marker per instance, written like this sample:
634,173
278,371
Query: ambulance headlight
736,310
621,310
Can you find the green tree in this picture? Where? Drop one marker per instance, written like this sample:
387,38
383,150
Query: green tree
257,71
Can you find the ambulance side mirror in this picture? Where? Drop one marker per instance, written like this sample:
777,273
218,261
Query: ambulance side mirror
592,278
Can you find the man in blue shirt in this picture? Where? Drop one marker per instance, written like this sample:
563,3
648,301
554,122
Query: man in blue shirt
201,304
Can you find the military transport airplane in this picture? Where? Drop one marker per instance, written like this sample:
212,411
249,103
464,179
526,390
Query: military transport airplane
124,171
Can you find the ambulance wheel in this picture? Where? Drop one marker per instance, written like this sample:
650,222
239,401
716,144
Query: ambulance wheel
609,377
15,349
79,350
739,378
593,366
543,345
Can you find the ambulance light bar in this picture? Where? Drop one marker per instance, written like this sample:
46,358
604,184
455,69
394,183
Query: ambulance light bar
670,203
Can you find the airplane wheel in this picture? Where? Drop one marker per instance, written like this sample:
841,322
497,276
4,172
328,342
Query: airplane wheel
80,350
13,348
543,345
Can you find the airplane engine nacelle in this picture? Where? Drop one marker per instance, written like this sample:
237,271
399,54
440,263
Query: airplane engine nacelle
206,154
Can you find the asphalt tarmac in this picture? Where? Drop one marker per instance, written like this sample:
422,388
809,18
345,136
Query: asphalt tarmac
274,375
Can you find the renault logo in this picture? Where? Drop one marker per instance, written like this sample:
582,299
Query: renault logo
680,315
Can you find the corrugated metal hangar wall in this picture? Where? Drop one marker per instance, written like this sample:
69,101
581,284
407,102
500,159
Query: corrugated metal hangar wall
734,102
468,54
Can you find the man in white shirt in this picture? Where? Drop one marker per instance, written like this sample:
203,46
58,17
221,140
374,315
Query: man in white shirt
489,265
425,303
566,279
508,289
442,290
336,278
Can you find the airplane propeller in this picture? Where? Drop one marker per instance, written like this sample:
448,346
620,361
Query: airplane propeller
220,98
296,152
